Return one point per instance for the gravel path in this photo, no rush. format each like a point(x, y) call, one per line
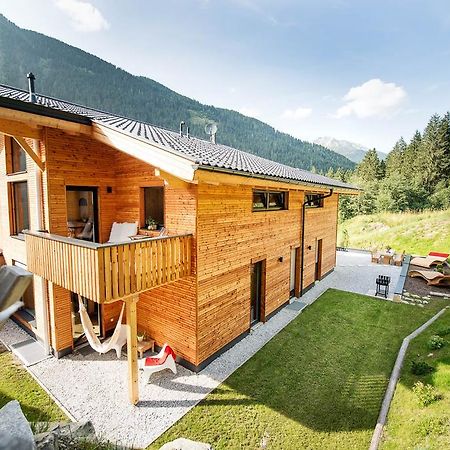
point(94, 387)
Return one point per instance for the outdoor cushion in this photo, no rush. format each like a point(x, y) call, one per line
point(121, 232)
point(152, 361)
point(444, 255)
point(427, 261)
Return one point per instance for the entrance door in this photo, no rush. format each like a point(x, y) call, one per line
point(295, 272)
point(257, 291)
point(82, 212)
point(318, 259)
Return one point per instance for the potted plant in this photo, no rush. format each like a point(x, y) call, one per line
point(141, 336)
point(151, 223)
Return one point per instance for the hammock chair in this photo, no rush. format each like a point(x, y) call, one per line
point(116, 341)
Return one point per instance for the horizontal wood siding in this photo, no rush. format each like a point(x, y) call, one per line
point(168, 315)
point(320, 223)
point(229, 236)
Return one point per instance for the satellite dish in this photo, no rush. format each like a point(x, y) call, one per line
point(211, 128)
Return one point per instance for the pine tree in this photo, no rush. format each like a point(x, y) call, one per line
point(394, 160)
point(368, 169)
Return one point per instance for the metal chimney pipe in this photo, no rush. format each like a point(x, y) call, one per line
point(187, 131)
point(181, 128)
point(213, 138)
point(31, 78)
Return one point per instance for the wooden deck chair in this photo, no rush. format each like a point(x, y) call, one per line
point(430, 276)
point(428, 261)
point(376, 257)
point(398, 259)
point(440, 281)
point(165, 359)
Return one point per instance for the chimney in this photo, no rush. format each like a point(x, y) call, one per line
point(31, 78)
point(213, 138)
point(187, 131)
point(181, 128)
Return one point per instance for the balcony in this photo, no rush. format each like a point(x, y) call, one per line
point(108, 272)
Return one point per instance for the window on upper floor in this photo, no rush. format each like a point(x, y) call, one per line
point(153, 206)
point(16, 161)
point(314, 201)
point(269, 200)
point(18, 207)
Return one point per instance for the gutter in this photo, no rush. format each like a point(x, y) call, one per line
point(35, 108)
point(274, 178)
point(303, 237)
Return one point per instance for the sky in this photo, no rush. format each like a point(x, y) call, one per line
point(365, 71)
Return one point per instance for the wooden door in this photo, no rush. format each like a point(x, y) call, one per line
point(257, 292)
point(318, 259)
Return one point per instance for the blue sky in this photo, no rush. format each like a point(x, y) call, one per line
point(365, 71)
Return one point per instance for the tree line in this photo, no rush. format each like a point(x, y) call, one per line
point(415, 176)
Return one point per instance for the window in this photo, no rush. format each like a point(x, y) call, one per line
point(314, 201)
point(16, 160)
point(19, 213)
point(269, 200)
point(153, 205)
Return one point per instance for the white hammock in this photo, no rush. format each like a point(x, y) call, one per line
point(116, 341)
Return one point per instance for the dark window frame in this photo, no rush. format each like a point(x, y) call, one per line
point(143, 214)
point(266, 204)
point(13, 210)
point(11, 155)
point(314, 201)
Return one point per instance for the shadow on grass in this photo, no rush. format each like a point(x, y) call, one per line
point(33, 414)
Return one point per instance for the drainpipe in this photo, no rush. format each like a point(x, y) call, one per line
point(303, 237)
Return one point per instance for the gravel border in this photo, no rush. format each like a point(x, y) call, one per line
point(94, 387)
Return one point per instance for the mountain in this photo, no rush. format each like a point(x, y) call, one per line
point(71, 74)
point(354, 152)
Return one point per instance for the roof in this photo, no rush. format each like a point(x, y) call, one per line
point(201, 152)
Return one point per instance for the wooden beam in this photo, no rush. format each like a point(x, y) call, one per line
point(133, 379)
point(34, 156)
point(13, 128)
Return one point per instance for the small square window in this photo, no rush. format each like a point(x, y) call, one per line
point(314, 201)
point(259, 200)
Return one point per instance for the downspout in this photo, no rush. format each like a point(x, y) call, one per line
point(302, 257)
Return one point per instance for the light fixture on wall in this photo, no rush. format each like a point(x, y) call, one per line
point(309, 247)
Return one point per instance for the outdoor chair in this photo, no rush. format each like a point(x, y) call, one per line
point(428, 261)
point(165, 359)
point(398, 259)
point(376, 257)
point(122, 232)
point(382, 285)
point(432, 277)
point(88, 231)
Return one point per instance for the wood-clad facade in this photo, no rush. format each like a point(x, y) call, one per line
point(195, 287)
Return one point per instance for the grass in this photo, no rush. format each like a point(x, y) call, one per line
point(318, 384)
point(416, 233)
point(17, 384)
point(410, 426)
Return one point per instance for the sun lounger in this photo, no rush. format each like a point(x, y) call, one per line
point(432, 277)
point(428, 261)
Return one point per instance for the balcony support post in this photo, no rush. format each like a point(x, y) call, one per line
point(133, 375)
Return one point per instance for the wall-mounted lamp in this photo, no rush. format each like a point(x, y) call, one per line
point(280, 259)
point(109, 189)
point(309, 247)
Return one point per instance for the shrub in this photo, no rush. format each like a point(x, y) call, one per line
point(435, 342)
point(443, 331)
point(421, 368)
point(433, 425)
point(426, 394)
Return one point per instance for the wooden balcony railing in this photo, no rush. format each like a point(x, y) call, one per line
point(108, 272)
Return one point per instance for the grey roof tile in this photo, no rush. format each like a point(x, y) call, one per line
point(202, 152)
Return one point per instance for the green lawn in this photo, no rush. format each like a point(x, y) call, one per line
point(410, 426)
point(17, 384)
point(325, 391)
point(416, 233)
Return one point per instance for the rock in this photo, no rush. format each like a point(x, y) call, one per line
point(15, 431)
point(59, 432)
point(185, 444)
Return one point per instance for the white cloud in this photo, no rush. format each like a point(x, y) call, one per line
point(84, 16)
point(296, 114)
point(372, 98)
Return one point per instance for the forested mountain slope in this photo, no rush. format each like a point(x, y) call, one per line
point(69, 73)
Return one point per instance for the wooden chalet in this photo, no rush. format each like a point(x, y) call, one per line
point(243, 234)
